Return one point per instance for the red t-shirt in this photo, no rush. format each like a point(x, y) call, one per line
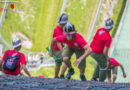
point(113, 62)
point(57, 32)
point(78, 41)
point(20, 61)
point(101, 39)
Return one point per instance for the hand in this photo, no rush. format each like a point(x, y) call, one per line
point(124, 75)
point(77, 62)
point(50, 53)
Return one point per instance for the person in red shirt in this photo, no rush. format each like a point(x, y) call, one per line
point(99, 50)
point(63, 19)
point(112, 66)
point(20, 63)
point(75, 43)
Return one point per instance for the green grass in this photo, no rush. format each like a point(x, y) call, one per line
point(39, 20)
point(117, 13)
point(49, 71)
point(82, 14)
point(81, 25)
point(1, 7)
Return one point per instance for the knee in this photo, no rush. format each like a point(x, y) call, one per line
point(114, 76)
point(65, 59)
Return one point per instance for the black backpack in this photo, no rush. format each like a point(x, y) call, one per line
point(11, 62)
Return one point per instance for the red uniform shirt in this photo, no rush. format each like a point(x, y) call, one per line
point(101, 39)
point(78, 41)
point(21, 60)
point(113, 62)
point(57, 32)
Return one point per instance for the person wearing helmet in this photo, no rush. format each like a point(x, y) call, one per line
point(75, 43)
point(63, 19)
point(99, 50)
point(13, 60)
point(113, 66)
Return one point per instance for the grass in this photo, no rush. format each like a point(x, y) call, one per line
point(37, 19)
point(78, 20)
point(117, 13)
point(49, 71)
point(1, 8)
point(81, 14)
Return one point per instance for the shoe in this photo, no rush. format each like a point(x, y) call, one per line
point(94, 79)
point(83, 78)
point(62, 77)
point(56, 77)
point(70, 72)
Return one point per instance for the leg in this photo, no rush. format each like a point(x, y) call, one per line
point(103, 68)
point(57, 69)
point(109, 75)
point(82, 64)
point(101, 61)
point(82, 67)
point(114, 72)
point(67, 62)
point(71, 70)
point(58, 62)
point(67, 53)
point(96, 73)
point(63, 69)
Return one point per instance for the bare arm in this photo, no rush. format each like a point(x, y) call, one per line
point(25, 69)
point(60, 46)
point(105, 52)
point(1, 64)
point(88, 51)
point(123, 71)
point(52, 46)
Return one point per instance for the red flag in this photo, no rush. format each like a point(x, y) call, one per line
point(12, 6)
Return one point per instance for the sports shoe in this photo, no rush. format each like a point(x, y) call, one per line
point(83, 78)
point(62, 77)
point(70, 72)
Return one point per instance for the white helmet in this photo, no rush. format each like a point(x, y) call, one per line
point(63, 19)
point(16, 42)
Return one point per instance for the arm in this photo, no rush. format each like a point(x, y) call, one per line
point(25, 69)
point(52, 46)
point(105, 52)
point(60, 46)
point(123, 71)
point(1, 64)
point(88, 51)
